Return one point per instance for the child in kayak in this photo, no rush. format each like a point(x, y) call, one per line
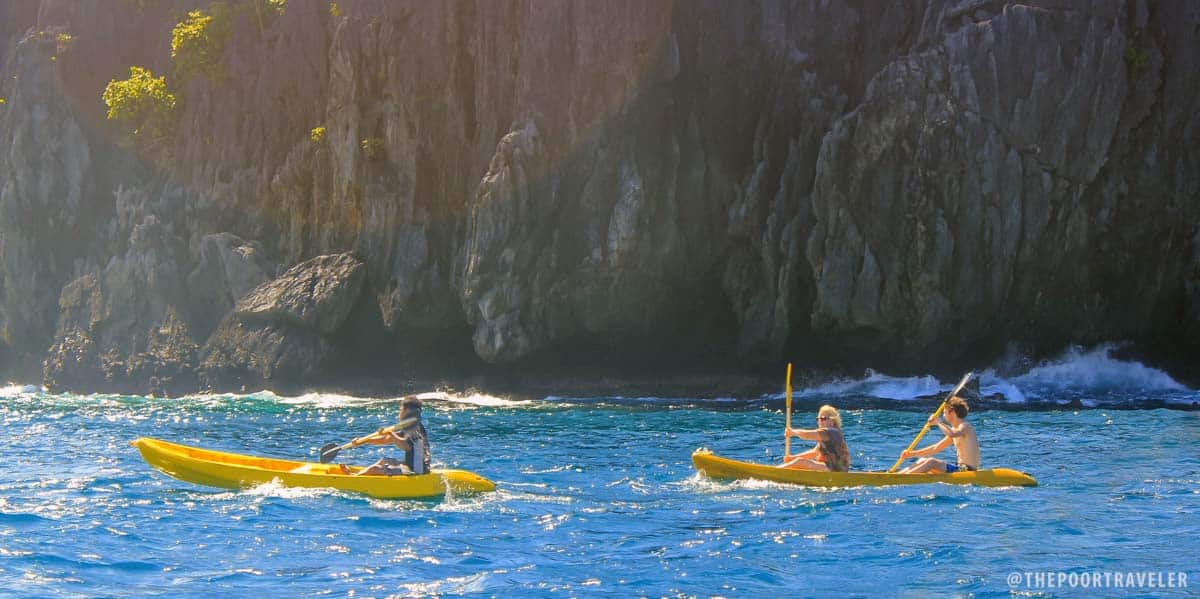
point(830, 453)
point(959, 432)
point(408, 435)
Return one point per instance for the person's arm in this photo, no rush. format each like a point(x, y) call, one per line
point(949, 431)
point(389, 437)
point(928, 449)
point(813, 434)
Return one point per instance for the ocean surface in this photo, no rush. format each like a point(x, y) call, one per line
point(597, 496)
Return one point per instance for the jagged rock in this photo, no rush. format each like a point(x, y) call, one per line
point(228, 269)
point(280, 335)
point(251, 356)
point(45, 175)
point(874, 184)
point(962, 188)
point(168, 365)
point(503, 216)
point(73, 363)
point(317, 294)
point(121, 328)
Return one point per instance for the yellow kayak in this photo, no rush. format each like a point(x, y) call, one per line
point(715, 466)
point(233, 471)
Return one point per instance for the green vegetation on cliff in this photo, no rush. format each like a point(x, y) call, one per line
point(198, 42)
point(373, 149)
point(142, 104)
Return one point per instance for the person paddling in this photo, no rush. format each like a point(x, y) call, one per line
point(408, 435)
point(830, 453)
point(959, 432)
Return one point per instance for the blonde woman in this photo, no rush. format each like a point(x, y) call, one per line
point(830, 453)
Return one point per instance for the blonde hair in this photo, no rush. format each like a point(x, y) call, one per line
point(831, 412)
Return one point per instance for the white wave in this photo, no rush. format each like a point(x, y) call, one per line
point(991, 385)
point(1076, 370)
point(1096, 369)
point(877, 385)
point(17, 390)
point(337, 400)
point(472, 399)
point(212, 399)
point(325, 400)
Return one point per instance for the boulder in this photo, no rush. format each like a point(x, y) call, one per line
point(316, 295)
point(228, 269)
point(281, 335)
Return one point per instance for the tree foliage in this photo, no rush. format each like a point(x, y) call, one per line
point(198, 42)
point(142, 104)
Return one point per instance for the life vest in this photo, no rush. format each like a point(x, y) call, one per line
point(417, 456)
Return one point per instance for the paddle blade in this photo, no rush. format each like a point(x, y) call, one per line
point(329, 451)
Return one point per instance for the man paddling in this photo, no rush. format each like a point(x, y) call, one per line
point(959, 432)
point(408, 435)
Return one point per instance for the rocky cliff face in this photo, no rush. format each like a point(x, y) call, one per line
point(902, 185)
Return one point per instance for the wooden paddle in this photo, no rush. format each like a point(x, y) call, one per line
point(787, 439)
point(330, 450)
point(936, 413)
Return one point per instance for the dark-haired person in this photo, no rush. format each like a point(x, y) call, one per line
point(959, 432)
point(409, 434)
point(830, 453)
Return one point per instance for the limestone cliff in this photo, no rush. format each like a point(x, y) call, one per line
point(908, 185)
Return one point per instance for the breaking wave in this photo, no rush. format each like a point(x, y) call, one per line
point(1088, 377)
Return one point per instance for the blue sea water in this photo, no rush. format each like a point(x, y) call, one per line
point(597, 496)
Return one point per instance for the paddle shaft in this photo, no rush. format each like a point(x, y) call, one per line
point(787, 439)
point(936, 413)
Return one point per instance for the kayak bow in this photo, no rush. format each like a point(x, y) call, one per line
point(234, 471)
point(714, 466)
